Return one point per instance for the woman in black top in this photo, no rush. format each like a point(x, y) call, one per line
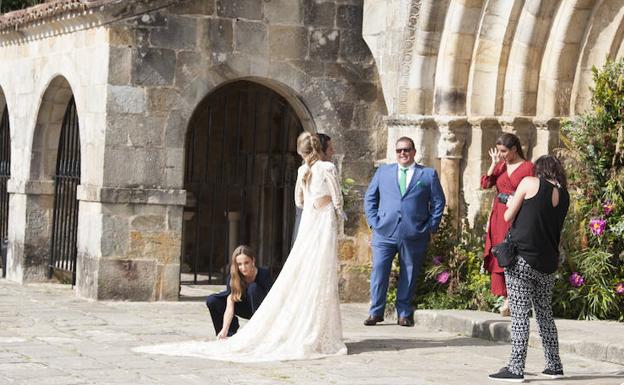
point(538, 210)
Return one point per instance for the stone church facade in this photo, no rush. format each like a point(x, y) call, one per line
point(147, 138)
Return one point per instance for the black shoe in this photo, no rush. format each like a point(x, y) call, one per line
point(373, 320)
point(505, 375)
point(553, 373)
point(405, 321)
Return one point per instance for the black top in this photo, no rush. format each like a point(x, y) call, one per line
point(537, 228)
point(263, 279)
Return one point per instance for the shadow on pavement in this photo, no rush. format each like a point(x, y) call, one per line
point(390, 344)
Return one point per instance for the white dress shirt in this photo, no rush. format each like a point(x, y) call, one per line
point(410, 174)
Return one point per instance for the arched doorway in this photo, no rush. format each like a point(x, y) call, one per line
point(5, 174)
point(65, 215)
point(241, 168)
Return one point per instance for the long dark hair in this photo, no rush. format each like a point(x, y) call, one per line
point(237, 281)
point(324, 139)
point(550, 167)
point(510, 140)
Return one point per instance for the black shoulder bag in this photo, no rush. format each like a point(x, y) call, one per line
point(506, 252)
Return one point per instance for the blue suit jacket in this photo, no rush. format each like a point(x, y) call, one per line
point(418, 211)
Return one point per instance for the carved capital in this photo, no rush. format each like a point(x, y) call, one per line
point(453, 133)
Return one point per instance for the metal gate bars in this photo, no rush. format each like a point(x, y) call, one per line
point(65, 218)
point(241, 168)
point(5, 174)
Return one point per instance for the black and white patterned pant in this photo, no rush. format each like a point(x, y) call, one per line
point(525, 287)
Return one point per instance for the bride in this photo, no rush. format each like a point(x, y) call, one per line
point(300, 316)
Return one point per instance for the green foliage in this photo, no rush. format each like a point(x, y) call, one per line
point(594, 160)
point(458, 252)
point(12, 5)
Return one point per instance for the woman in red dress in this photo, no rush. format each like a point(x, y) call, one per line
point(508, 168)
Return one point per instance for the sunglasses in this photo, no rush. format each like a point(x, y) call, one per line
point(400, 150)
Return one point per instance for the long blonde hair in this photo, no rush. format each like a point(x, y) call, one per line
point(309, 147)
point(238, 285)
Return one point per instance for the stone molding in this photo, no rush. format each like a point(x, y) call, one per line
point(169, 197)
point(67, 16)
point(30, 187)
point(507, 122)
point(407, 49)
point(453, 130)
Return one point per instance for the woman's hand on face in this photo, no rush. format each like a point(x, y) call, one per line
point(494, 154)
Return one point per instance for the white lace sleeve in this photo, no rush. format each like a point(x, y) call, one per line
point(299, 189)
point(331, 176)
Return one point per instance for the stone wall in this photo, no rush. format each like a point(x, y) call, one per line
point(138, 71)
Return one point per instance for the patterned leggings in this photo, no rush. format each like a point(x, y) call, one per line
point(527, 286)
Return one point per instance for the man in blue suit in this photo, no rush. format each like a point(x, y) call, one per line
point(404, 205)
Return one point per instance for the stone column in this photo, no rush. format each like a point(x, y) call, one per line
point(129, 243)
point(31, 205)
point(547, 136)
point(453, 132)
point(483, 132)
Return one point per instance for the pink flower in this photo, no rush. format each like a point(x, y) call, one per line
point(443, 277)
point(608, 207)
point(619, 288)
point(597, 226)
point(576, 280)
point(437, 260)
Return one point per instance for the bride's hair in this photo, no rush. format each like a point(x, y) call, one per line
point(309, 147)
point(237, 282)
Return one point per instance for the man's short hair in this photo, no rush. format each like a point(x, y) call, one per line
point(324, 139)
point(406, 139)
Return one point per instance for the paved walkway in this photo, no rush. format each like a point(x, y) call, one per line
point(48, 336)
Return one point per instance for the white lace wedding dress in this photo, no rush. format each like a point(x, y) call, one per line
point(300, 317)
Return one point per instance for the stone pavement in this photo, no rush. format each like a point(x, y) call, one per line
point(48, 336)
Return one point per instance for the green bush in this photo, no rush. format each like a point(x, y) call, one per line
point(594, 233)
point(452, 276)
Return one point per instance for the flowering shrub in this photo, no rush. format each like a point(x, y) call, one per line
point(593, 238)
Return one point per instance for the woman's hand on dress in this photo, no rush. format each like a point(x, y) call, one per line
point(222, 335)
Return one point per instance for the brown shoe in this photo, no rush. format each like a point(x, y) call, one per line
point(406, 321)
point(373, 320)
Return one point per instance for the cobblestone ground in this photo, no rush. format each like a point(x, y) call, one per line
point(47, 336)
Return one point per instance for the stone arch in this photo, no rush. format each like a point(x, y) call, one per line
point(598, 44)
point(561, 57)
point(456, 50)
point(241, 160)
point(51, 203)
point(489, 61)
point(424, 58)
point(525, 57)
point(47, 130)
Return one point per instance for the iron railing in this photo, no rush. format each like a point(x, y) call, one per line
point(65, 218)
point(5, 174)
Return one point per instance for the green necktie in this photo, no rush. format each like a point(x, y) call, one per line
point(403, 180)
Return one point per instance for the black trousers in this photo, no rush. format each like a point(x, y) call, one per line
point(250, 302)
